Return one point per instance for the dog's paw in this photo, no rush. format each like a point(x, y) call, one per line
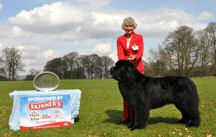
point(133, 128)
point(130, 125)
point(138, 127)
point(191, 124)
point(183, 121)
point(122, 123)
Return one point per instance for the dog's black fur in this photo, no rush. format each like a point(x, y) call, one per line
point(143, 93)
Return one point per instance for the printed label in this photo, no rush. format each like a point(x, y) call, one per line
point(37, 112)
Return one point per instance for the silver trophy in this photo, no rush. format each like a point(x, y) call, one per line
point(46, 81)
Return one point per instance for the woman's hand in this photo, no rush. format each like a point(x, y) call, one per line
point(132, 58)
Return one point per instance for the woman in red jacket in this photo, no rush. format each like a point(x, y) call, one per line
point(130, 47)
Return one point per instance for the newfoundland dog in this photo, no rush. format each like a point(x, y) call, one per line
point(143, 93)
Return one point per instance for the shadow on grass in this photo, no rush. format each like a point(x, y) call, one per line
point(115, 116)
point(170, 120)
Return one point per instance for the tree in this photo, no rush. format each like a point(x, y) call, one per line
point(73, 66)
point(93, 65)
point(107, 63)
point(70, 63)
point(32, 74)
point(84, 63)
point(205, 56)
point(211, 33)
point(56, 66)
point(12, 61)
point(182, 50)
point(2, 70)
point(159, 62)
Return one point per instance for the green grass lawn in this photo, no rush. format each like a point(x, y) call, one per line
point(101, 109)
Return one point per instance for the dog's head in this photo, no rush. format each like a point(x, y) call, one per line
point(124, 70)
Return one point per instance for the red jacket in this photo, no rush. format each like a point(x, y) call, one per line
point(124, 53)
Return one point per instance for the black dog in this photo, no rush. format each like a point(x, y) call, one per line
point(143, 93)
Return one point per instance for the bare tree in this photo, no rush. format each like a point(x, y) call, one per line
point(71, 62)
point(2, 70)
point(73, 66)
point(85, 64)
point(107, 63)
point(98, 67)
point(185, 52)
point(211, 33)
point(181, 47)
point(32, 74)
point(12, 61)
point(202, 68)
point(56, 65)
point(160, 62)
point(93, 69)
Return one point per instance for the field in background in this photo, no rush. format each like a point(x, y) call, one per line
point(101, 109)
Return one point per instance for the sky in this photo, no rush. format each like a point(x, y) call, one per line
point(46, 29)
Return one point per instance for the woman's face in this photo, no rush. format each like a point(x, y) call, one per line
point(128, 29)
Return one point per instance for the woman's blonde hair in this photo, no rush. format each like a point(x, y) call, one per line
point(129, 21)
